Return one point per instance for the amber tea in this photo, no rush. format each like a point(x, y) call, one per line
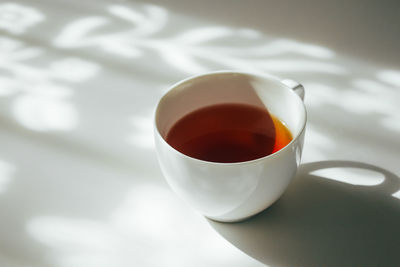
point(229, 133)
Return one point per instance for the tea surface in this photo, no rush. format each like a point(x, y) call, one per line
point(228, 133)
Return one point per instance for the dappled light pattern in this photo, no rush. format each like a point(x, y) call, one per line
point(41, 95)
point(146, 229)
point(194, 50)
point(17, 18)
point(374, 97)
point(363, 97)
point(149, 20)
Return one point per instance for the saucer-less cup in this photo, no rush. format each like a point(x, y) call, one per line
point(230, 192)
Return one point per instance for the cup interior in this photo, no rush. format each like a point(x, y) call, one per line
point(230, 87)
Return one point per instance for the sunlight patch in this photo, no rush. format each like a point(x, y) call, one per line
point(317, 145)
point(13, 51)
point(203, 35)
point(318, 94)
point(44, 113)
point(7, 86)
point(17, 18)
point(150, 226)
point(77, 233)
point(392, 122)
point(149, 210)
point(354, 176)
point(142, 133)
point(76, 242)
point(302, 66)
point(396, 194)
point(376, 97)
point(74, 69)
point(391, 77)
point(281, 46)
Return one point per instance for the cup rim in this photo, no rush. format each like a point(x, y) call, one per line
point(211, 73)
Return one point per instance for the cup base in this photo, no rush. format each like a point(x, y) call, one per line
point(230, 221)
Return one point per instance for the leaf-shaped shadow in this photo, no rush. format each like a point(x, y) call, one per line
point(204, 34)
point(76, 33)
point(152, 21)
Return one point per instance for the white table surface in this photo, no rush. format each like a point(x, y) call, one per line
point(80, 184)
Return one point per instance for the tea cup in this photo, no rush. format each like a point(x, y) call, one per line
point(231, 192)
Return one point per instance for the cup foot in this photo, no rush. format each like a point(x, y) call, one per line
point(229, 221)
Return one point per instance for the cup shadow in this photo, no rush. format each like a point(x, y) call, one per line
point(322, 222)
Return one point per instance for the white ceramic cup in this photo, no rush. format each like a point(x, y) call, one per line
point(230, 192)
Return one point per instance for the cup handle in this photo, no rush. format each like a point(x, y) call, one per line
point(296, 87)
